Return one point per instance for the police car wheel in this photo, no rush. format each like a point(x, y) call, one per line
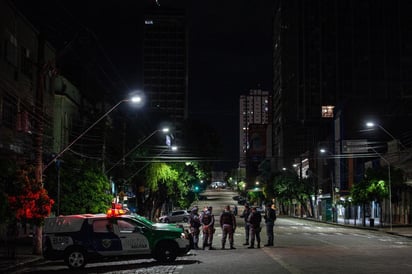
point(185, 220)
point(166, 252)
point(75, 258)
point(166, 220)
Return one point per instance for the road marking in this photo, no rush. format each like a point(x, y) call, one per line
point(277, 259)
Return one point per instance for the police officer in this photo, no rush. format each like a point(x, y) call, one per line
point(194, 221)
point(270, 218)
point(245, 215)
point(228, 224)
point(208, 229)
point(254, 221)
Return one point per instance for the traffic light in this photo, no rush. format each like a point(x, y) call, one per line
point(197, 188)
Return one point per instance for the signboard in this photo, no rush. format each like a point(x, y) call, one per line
point(355, 146)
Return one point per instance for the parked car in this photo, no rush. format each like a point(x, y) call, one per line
point(242, 201)
point(260, 209)
point(175, 217)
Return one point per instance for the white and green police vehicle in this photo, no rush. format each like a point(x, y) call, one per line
point(79, 239)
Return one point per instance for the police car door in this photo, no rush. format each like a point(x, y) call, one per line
point(105, 240)
point(132, 238)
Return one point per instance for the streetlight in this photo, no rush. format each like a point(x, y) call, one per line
point(333, 189)
point(164, 130)
point(323, 151)
point(372, 125)
point(135, 99)
point(389, 186)
point(172, 148)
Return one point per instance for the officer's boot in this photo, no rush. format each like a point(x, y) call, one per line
point(258, 245)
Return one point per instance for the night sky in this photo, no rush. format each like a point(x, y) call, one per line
point(229, 50)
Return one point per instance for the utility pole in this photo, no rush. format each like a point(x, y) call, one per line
point(38, 138)
point(43, 69)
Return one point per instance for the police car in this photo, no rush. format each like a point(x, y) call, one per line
point(79, 239)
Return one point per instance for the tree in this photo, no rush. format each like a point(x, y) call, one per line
point(375, 187)
point(88, 194)
point(285, 186)
point(160, 180)
point(86, 188)
point(266, 178)
point(30, 202)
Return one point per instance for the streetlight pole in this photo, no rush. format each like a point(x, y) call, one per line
point(389, 176)
point(173, 148)
point(136, 99)
point(164, 130)
point(372, 125)
point(389, 186)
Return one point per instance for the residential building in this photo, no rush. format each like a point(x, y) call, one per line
point(26, 88)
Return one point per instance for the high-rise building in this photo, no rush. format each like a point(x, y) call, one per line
point(254, 110)
point(165, 73)
point(346, 59)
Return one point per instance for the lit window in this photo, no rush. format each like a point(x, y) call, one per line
point(148, 22)
point(327, 111)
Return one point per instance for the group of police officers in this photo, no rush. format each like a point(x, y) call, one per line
point(205, 221)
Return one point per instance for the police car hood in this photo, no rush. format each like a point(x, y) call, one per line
point(168, 227)
point(160, 226)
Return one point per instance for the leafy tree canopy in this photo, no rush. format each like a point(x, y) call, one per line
point(29, 200)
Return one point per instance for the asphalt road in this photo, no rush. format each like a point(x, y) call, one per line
point(301, 246)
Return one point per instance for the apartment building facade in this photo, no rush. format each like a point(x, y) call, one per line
point(254, 133)
point(26, 87)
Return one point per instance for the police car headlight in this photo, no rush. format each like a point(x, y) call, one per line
point(183, 236)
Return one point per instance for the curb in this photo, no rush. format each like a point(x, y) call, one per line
point(381, 229)
point(8, 264)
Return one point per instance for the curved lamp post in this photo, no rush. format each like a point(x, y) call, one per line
point(136, 99)
point(389, 185)
point(373, 125)
point(164, 130)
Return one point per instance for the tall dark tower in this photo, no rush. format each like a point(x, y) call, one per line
point(353, 55)
point(165, 72)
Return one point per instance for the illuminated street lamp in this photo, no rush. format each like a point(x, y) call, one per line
point(135, 99)
point(373, 125)
point(164, 130)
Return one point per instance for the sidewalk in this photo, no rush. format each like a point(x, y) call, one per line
point(401, 230)
point(24, 256)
